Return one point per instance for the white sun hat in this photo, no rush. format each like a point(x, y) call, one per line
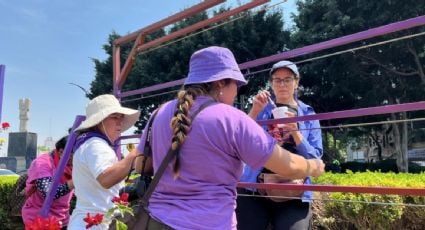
point(102, 106)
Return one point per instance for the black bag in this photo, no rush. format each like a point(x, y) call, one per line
point(137, 189)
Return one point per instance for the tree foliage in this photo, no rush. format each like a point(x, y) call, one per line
point(248, 35)
point(386, 74)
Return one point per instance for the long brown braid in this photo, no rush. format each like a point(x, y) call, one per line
point(181, 122)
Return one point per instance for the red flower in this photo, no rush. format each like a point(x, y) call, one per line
point(50, 223)
point(93, 220)
point(5, 125)
point(123, 199)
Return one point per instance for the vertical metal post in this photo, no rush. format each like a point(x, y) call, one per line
point(61, 167)
point(2, 69)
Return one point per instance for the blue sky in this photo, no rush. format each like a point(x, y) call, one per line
point(46, 45)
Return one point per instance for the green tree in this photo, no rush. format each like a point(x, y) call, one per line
point(249, 36)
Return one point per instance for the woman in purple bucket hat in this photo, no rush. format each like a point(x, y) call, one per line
point(198, 189)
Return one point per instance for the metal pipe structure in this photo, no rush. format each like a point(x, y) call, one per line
point(374, 32)
point(121, 76)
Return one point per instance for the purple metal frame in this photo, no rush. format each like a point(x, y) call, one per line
point(120, 76)
point(2, 70)
point(374, 32)
point(371, 33)
point(414, 106)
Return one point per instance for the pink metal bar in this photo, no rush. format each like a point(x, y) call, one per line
point(116, 65)
point(338, 188)
point(130, 60)
point(201, 24)
point(167, 21)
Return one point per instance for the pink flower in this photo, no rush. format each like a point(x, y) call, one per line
point(93, 220)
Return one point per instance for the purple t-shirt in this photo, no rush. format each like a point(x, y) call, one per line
point(204, 195)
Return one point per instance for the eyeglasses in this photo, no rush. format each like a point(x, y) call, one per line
point(285, 81)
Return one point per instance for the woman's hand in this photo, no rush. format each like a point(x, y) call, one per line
point(258, 103)
point(292, 128)
point(316, 167)
point(276, 133)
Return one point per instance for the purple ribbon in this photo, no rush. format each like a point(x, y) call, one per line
point(59, 171)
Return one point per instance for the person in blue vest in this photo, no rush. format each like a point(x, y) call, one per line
point(303, 138)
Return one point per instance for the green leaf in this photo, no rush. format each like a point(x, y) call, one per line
point(120, 225)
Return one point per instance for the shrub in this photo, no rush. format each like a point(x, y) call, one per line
point(388, 165)
point(369, 211)
point(6, 184)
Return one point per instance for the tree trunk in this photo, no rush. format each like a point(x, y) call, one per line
point(400, 141)
point(375, 137)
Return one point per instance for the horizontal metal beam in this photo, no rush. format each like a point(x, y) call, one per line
point(152, 88)
point(414, 106)
point(378, 31)
point(338, 188)
point(375, 32)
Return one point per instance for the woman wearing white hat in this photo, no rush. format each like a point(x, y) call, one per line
point(98, 173)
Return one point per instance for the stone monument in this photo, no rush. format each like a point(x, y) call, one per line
point(24, 108)
point(23, 144)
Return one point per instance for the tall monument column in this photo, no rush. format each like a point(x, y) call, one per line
point(24, 108)
point(23, 144)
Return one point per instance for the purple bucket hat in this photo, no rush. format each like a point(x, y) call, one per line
point(212, 64)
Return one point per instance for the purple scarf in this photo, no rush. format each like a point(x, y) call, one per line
point(85, 136)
